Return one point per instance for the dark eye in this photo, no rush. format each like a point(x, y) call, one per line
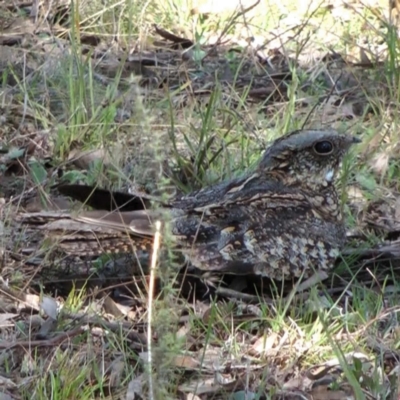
point(324, 147)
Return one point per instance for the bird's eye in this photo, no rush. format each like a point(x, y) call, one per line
point(324, 147)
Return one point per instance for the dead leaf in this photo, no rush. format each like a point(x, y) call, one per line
point(364, 57)
point(50, 307)
point(116, 372)
point(200, 386)
point(135, 389)
point(7, 383)
point(265, 344)
point(185, 361)
point(191, 396)
point(35, 321)
point(380, 163)
point(83, 159)
point(32, 300)
point(47, 327)
point(113, 308)
point(5, 318)
point(323, 393)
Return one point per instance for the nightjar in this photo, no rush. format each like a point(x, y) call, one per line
point(282, 219)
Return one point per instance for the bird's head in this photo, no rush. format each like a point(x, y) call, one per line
point(307, 157)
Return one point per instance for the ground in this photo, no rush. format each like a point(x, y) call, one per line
point(166, 97)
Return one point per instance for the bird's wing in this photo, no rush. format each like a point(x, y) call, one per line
point(251, 191)
point(204, 219)
point(139, 222)
point(211, 195)
point(103, 199)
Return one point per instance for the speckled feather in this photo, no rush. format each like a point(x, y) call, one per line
point(281, 220)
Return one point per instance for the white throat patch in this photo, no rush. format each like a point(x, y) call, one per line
point(329, 175)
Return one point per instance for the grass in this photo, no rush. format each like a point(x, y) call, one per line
point(192, 130)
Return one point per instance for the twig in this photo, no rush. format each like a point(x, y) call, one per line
point(183, 42)
point(153, 266)
point(54, 341)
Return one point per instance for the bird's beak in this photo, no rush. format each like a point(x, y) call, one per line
point(355, 139)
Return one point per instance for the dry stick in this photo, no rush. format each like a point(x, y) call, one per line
point(54, 341)
point(153, 266)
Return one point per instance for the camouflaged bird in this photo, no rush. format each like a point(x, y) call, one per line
point(281, 220)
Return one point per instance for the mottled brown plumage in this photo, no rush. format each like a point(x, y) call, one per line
point(280, 220)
